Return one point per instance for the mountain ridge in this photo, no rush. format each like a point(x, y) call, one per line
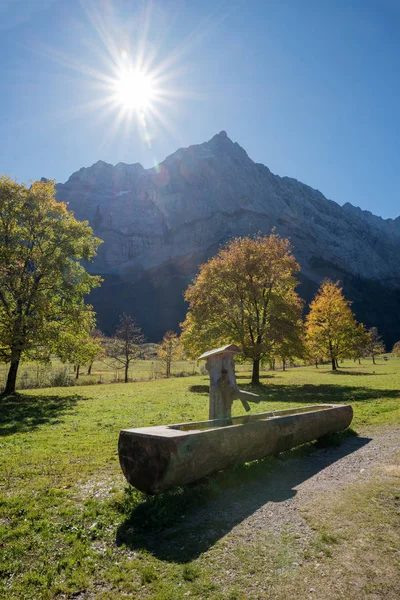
point(201, 196)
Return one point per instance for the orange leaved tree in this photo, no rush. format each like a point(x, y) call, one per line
point(244, 295)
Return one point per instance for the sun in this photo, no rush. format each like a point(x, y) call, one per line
point(134, 90)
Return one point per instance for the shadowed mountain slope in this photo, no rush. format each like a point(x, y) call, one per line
point(159, 224)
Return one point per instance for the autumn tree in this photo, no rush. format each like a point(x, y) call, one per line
point(312, 350)
point(125, 345)
point(42, 282)
point(361, 342)
point(376, 345)
point(330, 324)
point(396, 349)
point(292, 345)
point(244, 295)
point(170, 349)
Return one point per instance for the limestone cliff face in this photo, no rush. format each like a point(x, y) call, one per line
point(160, 223)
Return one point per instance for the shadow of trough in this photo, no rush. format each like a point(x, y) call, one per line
point(321, 393)
point(204, 513)
point(21, 413)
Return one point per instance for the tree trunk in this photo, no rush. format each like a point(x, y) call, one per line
point(316, 363)
point(77, 371)
point(283, 364)
point(12, 375)
point(255, 378)
point(89, 371)
point(337, 363)
point(359, 360)
point(333, 358)
point(126, 372)
point(168, 368)
point(373, 359)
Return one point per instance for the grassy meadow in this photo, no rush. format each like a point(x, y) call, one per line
point(71, 527)
point(34, 374)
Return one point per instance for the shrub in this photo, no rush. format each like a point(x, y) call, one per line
point(61, 378)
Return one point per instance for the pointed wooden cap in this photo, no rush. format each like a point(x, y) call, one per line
point(231, 348)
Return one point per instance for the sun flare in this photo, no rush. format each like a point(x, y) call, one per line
point(134, 90)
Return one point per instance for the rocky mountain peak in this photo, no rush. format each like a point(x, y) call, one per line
point(161, 223)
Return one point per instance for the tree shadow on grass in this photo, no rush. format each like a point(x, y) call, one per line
point(323, 393)
point(180, 525)
point(199, 389)
point(205, 389)
point(329, 393)
point(356, 373)
point(263, 376)
point(21, 413)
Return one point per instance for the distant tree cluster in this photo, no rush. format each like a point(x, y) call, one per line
point(246, 295)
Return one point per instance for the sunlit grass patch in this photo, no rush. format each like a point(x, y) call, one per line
point(70, 525)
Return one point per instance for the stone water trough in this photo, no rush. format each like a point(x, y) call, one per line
point(155, 459)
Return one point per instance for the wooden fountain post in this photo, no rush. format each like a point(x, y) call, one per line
point(223, 387)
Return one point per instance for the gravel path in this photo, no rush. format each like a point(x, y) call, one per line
point(271, 503)
point(329, 469)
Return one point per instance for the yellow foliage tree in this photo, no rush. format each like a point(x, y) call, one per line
point(170, 349)
point(331, 327)
point(244, 295)
point(396, 349)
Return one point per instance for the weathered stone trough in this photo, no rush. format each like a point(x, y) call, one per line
point(155, 459)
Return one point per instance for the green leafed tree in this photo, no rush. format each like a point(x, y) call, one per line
point(97, 343)
point(244, 295)
point(42, 282)
point(79, 346)
point(331, 327)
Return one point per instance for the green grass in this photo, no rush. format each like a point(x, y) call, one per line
point(69, 524)
point(34, 375)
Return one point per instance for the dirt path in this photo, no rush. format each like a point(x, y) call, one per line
point(271, 503)
point(323, 472)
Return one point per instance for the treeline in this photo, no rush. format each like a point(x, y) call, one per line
point(43, 287)
point(246, 295)
point(119, 351)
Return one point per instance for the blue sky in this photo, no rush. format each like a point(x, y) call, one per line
point(310, 88)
